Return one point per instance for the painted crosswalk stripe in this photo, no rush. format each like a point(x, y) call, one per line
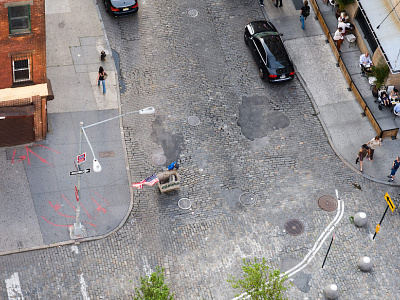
point(83, 288)
point(14, 287)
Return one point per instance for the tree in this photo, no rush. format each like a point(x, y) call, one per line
point(153, 287)
point(260, 281)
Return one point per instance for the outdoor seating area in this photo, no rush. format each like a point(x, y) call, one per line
point(377, 104)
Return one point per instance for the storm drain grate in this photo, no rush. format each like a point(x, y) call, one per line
point(193, 13)
point(184, 203)
point(248, 199)
point(294, 227)
point(158, 159)
point(194, 121)
point(327, 203)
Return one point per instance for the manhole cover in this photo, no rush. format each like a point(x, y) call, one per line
point(192, 12)
point(158, 159)
point(294, 227)
point(184, 203)
point(194, 121)
point(248, 199)
point(327, 203)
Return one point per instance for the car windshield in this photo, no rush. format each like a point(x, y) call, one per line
point(277, 56)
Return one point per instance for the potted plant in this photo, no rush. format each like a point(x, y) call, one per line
point(380, 72)
point(341, 6)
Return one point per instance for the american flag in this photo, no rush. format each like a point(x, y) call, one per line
point(151, 180)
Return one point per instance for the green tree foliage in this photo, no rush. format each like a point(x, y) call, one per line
point(153, 287)
point(259, 281)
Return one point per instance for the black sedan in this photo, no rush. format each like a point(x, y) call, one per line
point(121, 7)
point(269, 53)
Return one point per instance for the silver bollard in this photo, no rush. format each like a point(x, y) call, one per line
point(360, 219)
point(365, 264)
point(331, 291)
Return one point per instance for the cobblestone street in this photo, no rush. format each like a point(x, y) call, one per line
point(253, 137)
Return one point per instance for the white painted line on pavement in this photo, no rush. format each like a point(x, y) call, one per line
point(14, 287)
point(83, 288)
point(75, 249)
point(316, 247)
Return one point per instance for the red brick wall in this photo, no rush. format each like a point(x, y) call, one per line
point(34, 43)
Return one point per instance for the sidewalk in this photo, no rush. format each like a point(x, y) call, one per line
point(39, 190)
point(336, 107)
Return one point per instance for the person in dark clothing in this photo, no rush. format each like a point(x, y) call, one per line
point(280, 3)
point(395, 166)
point(362, 154)
point(262, 2)
point(304, 13)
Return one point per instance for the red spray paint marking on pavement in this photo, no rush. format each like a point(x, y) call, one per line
point(68, 202)
point(99, 207)
point(61, 214)
point(90, 217)
point(60, 225)
point(101, 197)
point(56, 224)
point(23, 157)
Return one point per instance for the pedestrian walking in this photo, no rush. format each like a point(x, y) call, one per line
point(361, 155)
point(101, 77)
point(372, 144)
point(304, 13)
point(395, 166)
point(262, 2)
point(338, 37)
point(280, 3)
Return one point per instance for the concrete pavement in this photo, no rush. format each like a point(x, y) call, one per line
point(39, 193)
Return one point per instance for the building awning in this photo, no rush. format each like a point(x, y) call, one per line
point(388, 33)
point(24, 92)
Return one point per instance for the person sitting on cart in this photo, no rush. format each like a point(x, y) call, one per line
point(173, 166)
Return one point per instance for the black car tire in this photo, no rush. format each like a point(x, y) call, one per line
point(246, 39)
point(106, 6)
point(261, 73)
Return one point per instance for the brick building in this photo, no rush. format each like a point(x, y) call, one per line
point(24, 88)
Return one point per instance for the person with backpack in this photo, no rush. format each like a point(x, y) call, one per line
point(304, 13)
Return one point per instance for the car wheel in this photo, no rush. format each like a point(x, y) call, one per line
point(261, 73)
point(246, 39)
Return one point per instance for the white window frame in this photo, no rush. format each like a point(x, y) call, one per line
point(21, 69)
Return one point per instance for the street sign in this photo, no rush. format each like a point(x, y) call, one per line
point(79, 172)
point(389, 202)
point(76, 194)
point(81, 158)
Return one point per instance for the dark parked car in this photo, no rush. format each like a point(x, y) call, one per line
point(269, 53)
point(121, 7)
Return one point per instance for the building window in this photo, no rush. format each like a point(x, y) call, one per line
point(19, 19)
point(21, 68)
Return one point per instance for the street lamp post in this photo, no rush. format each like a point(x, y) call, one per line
point(78, 231)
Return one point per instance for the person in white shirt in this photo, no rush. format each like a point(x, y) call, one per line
point(365, 63)
point(344, 26)
point(396, 108)
point(338, 37)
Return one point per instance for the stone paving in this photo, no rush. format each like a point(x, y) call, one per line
point(253, 137)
